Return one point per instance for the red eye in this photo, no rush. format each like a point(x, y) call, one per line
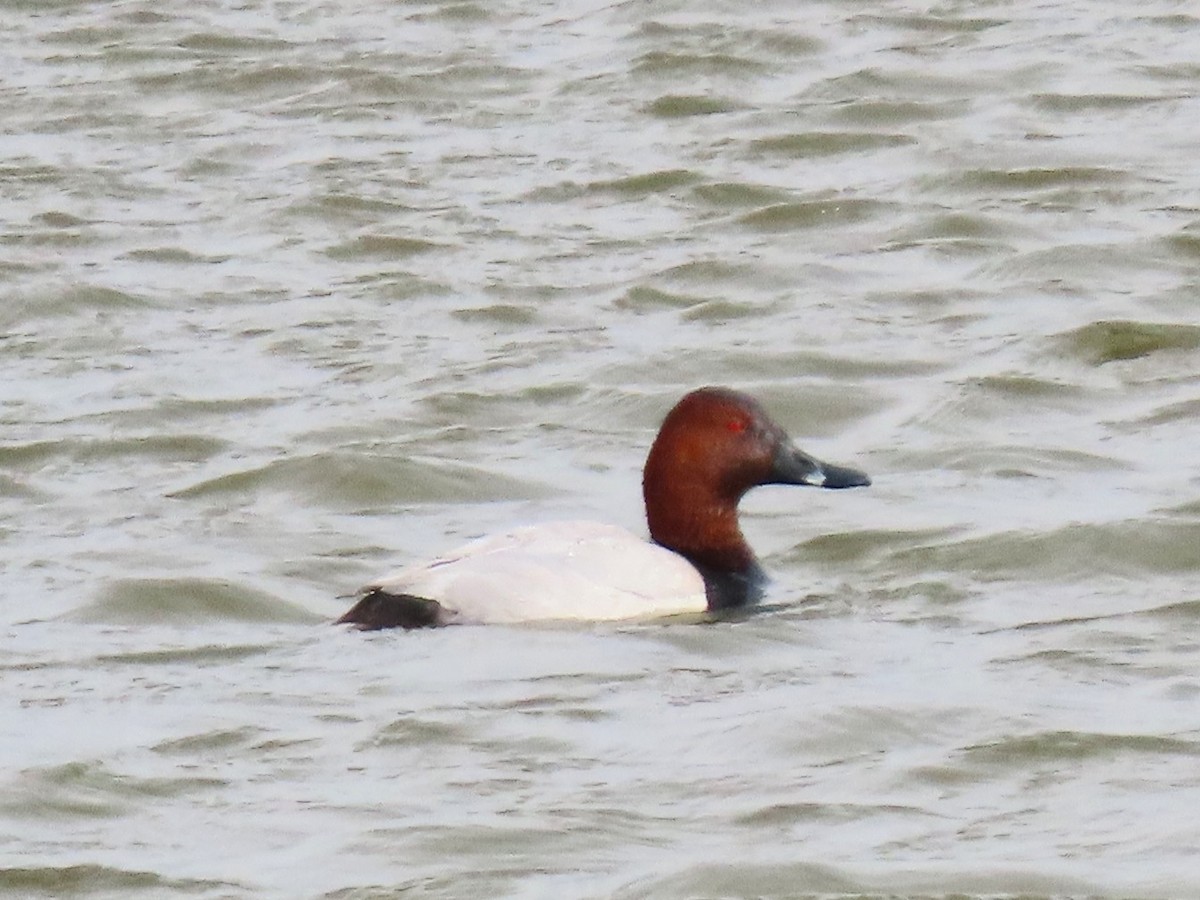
point(737, 426)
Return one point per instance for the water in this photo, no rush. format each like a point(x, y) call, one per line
point(295, 292)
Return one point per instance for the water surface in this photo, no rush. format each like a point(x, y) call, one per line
point(293, 293)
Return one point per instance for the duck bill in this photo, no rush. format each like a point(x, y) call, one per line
point(793, 466)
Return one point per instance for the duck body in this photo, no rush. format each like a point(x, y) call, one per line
point(713, 446)
point(559, 570)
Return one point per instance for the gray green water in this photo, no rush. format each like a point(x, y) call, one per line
point(292, 293)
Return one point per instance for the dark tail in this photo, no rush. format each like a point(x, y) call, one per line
point(378, 609)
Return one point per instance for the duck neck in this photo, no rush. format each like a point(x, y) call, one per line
point(726, 589)
point(707, 535)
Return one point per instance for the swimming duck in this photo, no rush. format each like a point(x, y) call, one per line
point(714, 446)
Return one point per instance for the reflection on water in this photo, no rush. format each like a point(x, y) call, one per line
point(295, 293)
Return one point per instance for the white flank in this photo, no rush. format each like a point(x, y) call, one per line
point(559, 570)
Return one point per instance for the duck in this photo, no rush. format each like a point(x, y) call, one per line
point(713, 446)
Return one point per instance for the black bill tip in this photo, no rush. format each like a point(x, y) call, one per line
point(840, 477)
